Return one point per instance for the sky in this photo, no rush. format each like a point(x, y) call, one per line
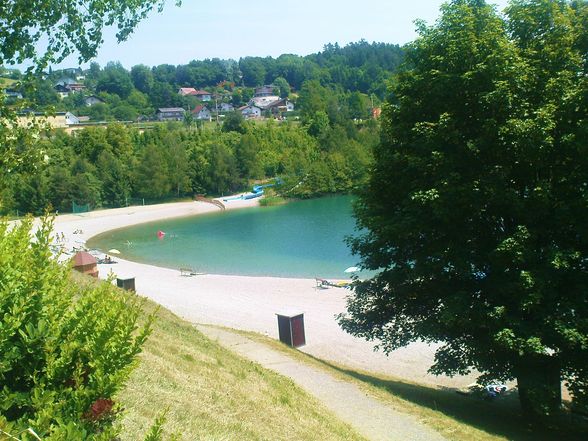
point(200, 29)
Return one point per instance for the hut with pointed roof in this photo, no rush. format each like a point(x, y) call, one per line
point(85, 263)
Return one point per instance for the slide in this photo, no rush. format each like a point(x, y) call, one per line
point(256, 192)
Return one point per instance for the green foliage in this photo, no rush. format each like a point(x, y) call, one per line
point(64, 350)
point(233, 122)
point(64, 28)
point(475, 209)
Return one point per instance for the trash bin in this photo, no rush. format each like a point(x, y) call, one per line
point(291, 328)
point(126, 284)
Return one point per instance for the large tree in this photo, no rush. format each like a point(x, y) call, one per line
point(40, 32)
point(475, 215)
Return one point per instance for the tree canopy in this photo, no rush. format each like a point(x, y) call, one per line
point(64, 27)
point(475, 214)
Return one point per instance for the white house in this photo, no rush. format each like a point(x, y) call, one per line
point(263, 102)
point(225, 107)
point(283, 105)
point(250, 112)
point(201, 113)
point(70, 118)
point(91, 100)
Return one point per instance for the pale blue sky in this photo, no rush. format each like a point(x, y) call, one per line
point(236, 28)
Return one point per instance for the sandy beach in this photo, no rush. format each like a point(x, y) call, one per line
point(248, 303)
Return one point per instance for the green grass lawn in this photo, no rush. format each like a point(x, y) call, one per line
point(213, 394)
point(456, 416)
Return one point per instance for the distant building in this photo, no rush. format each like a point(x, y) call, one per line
point(263, 102)
point(64, 89)
point(64, 81)
point(184, 91)
point(75, 87)
point(282, 105)
point(201, 113)
point(250, 112)
point(225, 107)
point(61, 90)
point(264, 91)
point(59, 120)
point(92, 99)
point(170, 114)
point(203, 95)
point(9, 93)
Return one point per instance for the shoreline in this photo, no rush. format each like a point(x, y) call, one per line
point(249, 303)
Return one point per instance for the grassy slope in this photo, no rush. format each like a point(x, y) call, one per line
point(212, 394)
point(457, 417)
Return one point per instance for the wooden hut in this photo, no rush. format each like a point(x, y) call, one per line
point(85, 263)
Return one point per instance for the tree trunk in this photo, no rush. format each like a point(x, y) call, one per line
point(539, 384)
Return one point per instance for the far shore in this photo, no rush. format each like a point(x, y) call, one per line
point(248, 303)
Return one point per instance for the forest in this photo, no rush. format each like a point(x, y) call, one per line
point(325, 149)
point(119, 166)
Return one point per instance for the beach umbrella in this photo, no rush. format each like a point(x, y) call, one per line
point(114, 251)
point(352, 269)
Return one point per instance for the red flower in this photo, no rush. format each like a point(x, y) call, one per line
point(100, 408)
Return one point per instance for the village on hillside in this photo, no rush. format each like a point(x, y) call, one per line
point(199, 105)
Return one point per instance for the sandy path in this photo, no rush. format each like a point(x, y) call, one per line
point(249, 303)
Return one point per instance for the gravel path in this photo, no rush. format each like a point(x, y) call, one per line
point(368, 416)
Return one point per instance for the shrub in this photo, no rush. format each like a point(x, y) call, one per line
point(64, 349)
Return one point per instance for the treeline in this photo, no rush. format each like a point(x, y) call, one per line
point(117, 166)
point(361, 68)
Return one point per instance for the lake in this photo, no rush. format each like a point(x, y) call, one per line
point(299, 239)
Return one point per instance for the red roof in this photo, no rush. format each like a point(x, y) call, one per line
point(82, 258)
point(201, 92)
point(197, 109)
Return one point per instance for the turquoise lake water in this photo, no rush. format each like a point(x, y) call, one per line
point(299, 239)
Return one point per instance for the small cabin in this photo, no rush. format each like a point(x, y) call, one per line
point(85, 263)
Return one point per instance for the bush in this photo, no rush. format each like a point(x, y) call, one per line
point(64, 350)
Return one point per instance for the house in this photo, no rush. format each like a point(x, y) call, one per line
point(264, 91)
point(203, 95)
point(59, 120)
point(225, 107)
point(282, 105)
point(184, 91)
point(75, 87)
point(92, 99)
point(65, 80)
point(70, 118)
point(15, 95)
point(170, 114)
point(62, 90)
point(250, 112)
point(264, 102)
point(201, 113)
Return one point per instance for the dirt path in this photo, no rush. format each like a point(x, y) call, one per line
point(368, 416)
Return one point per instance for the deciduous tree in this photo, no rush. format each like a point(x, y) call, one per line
point(475, 214)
